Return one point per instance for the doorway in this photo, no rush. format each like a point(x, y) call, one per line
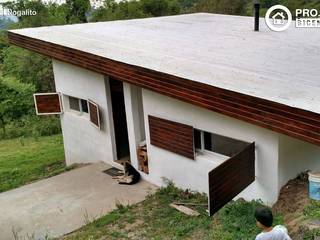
point(119, 119)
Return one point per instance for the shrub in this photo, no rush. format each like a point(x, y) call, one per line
point(32, 126)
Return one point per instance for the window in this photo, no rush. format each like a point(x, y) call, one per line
point(79, 105)
point(206, 141)
point(84, 105)
point(74, 104)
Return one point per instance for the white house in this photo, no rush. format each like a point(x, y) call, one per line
point(222, 109)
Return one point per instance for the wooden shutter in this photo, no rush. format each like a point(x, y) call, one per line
point(94, 113)
point(172, 136)
point(231, 177)
point(47, 103)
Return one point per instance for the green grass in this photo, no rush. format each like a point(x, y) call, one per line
point(312, 212)
point(154, 219)
point(23, 160)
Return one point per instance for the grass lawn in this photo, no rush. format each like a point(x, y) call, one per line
point(24, 160)
point(155, 219)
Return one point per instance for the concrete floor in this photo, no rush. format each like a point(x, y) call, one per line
point(60, 204)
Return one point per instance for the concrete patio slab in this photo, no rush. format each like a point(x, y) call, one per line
point(63, 203)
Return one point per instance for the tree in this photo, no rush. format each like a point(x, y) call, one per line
point(15, 100)
point(77, 11)
point(231, 7)
point(111, 10)
point(24, 65)
point(135, 9)
point(160, 7)
point(29, 67)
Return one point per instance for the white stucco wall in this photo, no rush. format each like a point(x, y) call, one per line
point(191, 174)
point(83, 142)
point(296, 156)
point(135, 121)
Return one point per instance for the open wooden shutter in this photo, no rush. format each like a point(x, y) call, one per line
point(48, 103)
point(94, 113)
point(231, 177)
point(172, 136)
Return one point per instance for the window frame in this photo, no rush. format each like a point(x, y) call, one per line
point(202, 151)
point(80, 111)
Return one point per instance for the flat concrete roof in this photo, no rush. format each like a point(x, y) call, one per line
point(219, 50)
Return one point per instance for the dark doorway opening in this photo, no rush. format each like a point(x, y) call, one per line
point(119, 119)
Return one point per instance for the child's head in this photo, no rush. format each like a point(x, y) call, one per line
point(264, 217)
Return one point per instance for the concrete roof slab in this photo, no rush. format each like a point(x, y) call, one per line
point(219, 50)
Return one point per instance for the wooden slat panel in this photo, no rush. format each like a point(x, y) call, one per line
point(291, 121)
point(47, 103)
point(94, 113)
point(172, 136)
point(231, 177)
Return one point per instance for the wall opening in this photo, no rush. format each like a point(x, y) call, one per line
point(119, 119)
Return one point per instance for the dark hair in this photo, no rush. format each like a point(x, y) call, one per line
point(264, 216)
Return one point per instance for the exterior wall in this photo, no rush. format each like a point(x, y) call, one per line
point(193, 174)
point(83, 142)
point(296, 156)
point(135, 121)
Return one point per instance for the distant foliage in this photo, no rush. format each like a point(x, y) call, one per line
point(117, 11)
point(158, 8)
point(245, 7)
point(32, 126)
point(15, 100)
point(24, 65)
point(135, 9)
point(28, 67)
point(233, 7)
point(77, 11)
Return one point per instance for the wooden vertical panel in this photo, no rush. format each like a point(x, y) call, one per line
point(94, 113)
point(231, 177)
point(47, 103)
point(172, 136)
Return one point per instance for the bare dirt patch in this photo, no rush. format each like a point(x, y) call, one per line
point(291, 203)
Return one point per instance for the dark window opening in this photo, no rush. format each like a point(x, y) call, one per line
point(206, 141)
point(84, 105)
point(197, 139)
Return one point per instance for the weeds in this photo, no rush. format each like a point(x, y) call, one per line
point(155, 219)
point(312, 210)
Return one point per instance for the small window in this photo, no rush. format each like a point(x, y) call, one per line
point(206, 141)
point(79, 105)
point(74, 104)
point(84, 105)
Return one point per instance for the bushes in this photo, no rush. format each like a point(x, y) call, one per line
point(17, 115)
point(32, 126)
